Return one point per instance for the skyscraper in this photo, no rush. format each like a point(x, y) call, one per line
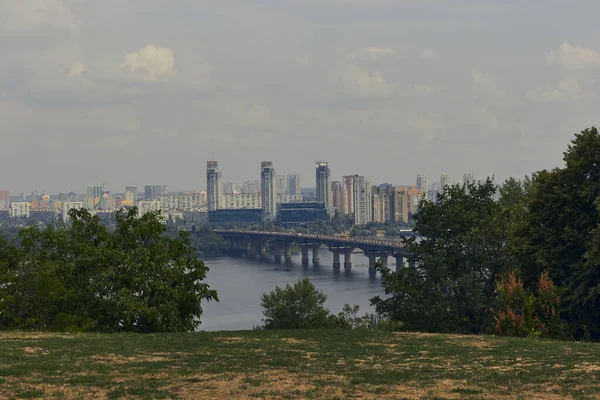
point(337, 196)
point(131, 193)
point(214, 185)
point(280, 184)
point(267, 187)
point(4, 199)
point(445, 181)
point(348, 186)
point(293, 183)
point(469, 178)
point(422, 183)
point(323, 188)
point(362, 201)
point(154, 192)
point(94, 192)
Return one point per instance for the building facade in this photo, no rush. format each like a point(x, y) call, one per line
point(323, 188)
point(145, 206)
point(241, 200)
point(337, 197)
point(68, 206)
point(348, 188)
point(268, 193)
point(19, 209)
point(362, 201)
point(214, 185)
point(445, 181)
point(469, 178)
point(422, 183)
point(293, 184)
point(154, 192)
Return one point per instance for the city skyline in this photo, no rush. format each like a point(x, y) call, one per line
point(93, 92)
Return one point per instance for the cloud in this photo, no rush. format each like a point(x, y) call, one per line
point(150, 63)
point(566, 90)
point(418, 90)
point(359, 83)
point(426, 124)
point(371, 54)
point(428, 54)
point(486, 84)
point(25, 15)
point(482, 119)
point(574, 57)
point(251, 116)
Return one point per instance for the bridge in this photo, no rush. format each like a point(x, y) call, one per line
point(255, 243)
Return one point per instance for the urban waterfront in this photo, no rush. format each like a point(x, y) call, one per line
point(241, 281)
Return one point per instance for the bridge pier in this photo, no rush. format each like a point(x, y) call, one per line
point(288, 252)
point(399, 262)
point(277, 252)
point(372, 261)
point(384, 261)
point(315, 253)
point(336, 258)
point(263, 249)
point(348, 258)
point(304, 254)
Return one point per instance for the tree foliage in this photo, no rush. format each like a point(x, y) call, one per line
point(560, 233)
point(82, 277)
point(460, 252)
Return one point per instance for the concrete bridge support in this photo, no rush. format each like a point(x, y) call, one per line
point(336, 258)
point(348, 258)
point(262, 246)
point(399, 262)
point(315, 253)
point(304, 254)
point(372, 261)
point(384, 261)
point(277, 252)
point(288, 252)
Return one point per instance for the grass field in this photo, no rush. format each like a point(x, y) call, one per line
point(295, 364)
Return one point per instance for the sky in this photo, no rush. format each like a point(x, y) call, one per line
point(139, 92)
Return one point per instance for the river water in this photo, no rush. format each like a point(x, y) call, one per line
point(240, 283)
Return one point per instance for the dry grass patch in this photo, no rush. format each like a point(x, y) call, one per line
point(120, 360)
point(35, 350)
point(12, 387)
point(587, 367)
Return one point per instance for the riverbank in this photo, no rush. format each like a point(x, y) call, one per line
point(295, 364)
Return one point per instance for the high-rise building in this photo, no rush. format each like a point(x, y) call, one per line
point(4, 200)
point(382, 204)
point(445, 181)
point(131, 193)
point(293, 184)
point(469, 178)
point(251, 187)
point(267, 190)
point(337, 196)
point(362, 201)
point(322, 178)
point(214, 185)
point(422, 184)
point(154, 192)
point(280, 184)
point(348, 186)
point(400, 204)
point(19, 209)
point(68, 206)
point(95, 192)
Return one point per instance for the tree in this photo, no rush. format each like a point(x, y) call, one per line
point(561, 233)
point(295, 307)
point(460, 252)
point(83, 277)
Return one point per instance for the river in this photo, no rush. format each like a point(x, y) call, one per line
point(240, 283)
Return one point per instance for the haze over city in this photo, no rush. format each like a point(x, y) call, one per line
point(145, 92)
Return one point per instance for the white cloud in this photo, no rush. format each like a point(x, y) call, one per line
point(574, 57)
point(357, 82)
point(251, 116)
point(23, 15)
point(150, 63)
point(428, 54)
point(566, 90)
point(487, 84)
point(418, 90)
point(371, 54)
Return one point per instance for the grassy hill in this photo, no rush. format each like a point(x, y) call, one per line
point(295, 364)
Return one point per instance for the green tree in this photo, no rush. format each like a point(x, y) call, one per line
point(561, 233)
point(83, 277)
point(459, 253)
point(295, 307)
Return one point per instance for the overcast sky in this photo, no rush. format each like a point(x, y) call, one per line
point(136, 92)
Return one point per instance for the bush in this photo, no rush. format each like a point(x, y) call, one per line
point(84, 278)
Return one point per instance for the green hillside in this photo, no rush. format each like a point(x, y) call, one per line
point(295, 364)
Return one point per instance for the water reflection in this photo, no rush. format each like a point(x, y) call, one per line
point(240, 283)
